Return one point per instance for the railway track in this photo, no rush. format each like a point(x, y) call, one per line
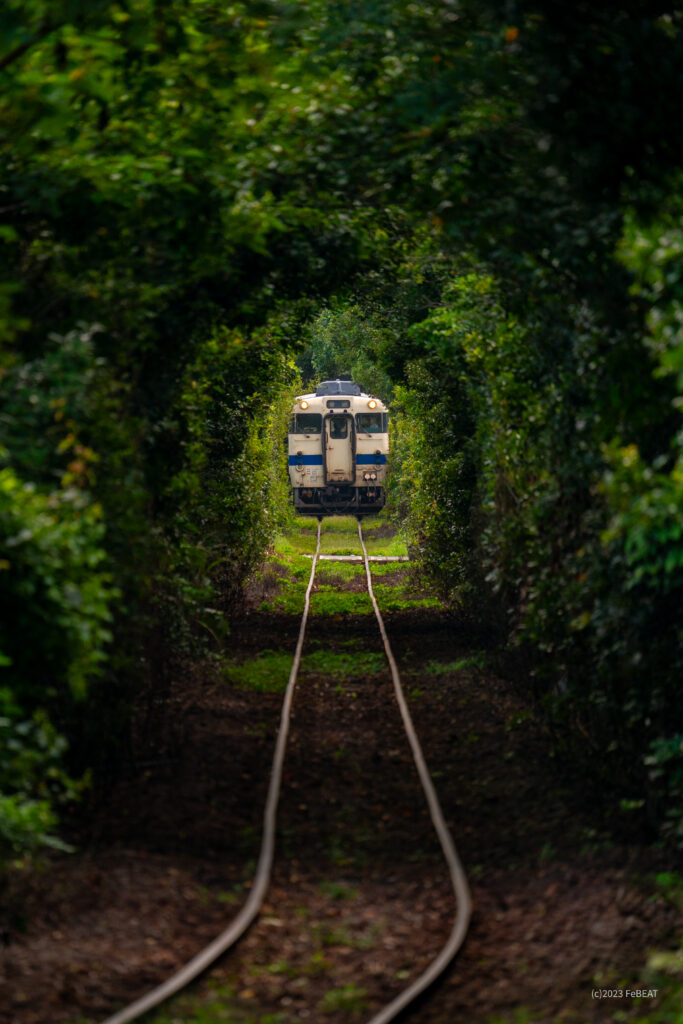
point(223, 942)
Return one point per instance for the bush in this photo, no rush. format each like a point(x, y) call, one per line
point(54, 628)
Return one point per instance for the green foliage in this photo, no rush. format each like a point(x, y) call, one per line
point(522, 487)
point(32, 781)
point(55, 599)
point(143, 427)
point(26, 827)
point(55, 619)
point(345, 342)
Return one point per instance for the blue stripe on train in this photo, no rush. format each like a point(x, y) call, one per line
point(317, 460)
point(305, 460)
point(371, 460)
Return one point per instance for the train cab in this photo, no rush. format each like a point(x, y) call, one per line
point(338, 447)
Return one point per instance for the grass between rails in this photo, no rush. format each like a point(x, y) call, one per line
point(329, 600)
point(269, 671)
point(339, 537)
point(386, 545)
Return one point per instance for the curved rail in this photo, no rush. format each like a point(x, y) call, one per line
point(458, 879)
point(237, 928)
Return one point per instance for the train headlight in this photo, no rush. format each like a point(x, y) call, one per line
point(373, 476)
point(372, 404)
point(304, 405)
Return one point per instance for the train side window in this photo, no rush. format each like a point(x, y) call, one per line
point(308, 423)
point(369, 422)
point(339, 427)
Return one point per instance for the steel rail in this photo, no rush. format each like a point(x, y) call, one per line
point(238, 927)
point(458, 878)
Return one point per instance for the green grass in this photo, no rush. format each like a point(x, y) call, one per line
point(349, 999)
point(328, 601)
point(339, 543)
point(670, 887)
point(519, 1016)
point(339, 572)
point(306, 524)
point(373, 523)
point(340, 524)
point(337, 890)
point(344, 665)
point(290, 600)
point(386, 545)
point(216, 1004)
point(294, 544)
point(339, 537)
point(267, 673)
point(395, 599)
point(440, 668)
point(386, 568)
point(664, 972)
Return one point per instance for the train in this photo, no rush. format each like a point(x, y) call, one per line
point(338, 445)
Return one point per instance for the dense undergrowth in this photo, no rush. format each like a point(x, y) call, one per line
point(477, 216)
point(537, 511)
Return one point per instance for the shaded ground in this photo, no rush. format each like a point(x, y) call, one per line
point(360, 900)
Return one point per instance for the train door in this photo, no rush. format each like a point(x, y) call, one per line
point(339, 447)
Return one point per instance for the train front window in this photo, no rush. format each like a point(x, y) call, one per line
point(308, 423)
point(339, 427)
point(370, 422)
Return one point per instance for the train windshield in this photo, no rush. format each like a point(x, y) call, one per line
point(371, 422)
point(306, 423)
point(339, 427)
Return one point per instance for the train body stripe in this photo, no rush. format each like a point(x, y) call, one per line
point(362, 459)
point(305, 460)
point(371, 460)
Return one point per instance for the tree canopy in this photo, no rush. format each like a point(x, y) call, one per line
point(474, 208)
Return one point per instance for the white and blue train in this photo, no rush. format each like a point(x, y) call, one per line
point(338, 447)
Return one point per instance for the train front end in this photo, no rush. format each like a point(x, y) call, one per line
point(338, 447)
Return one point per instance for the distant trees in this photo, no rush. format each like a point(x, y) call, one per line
point(343, 341)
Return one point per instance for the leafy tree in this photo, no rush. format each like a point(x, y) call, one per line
point(344, 342)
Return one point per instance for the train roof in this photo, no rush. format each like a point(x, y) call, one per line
point(326, 388)
point(346, 388)
point(337, 387)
